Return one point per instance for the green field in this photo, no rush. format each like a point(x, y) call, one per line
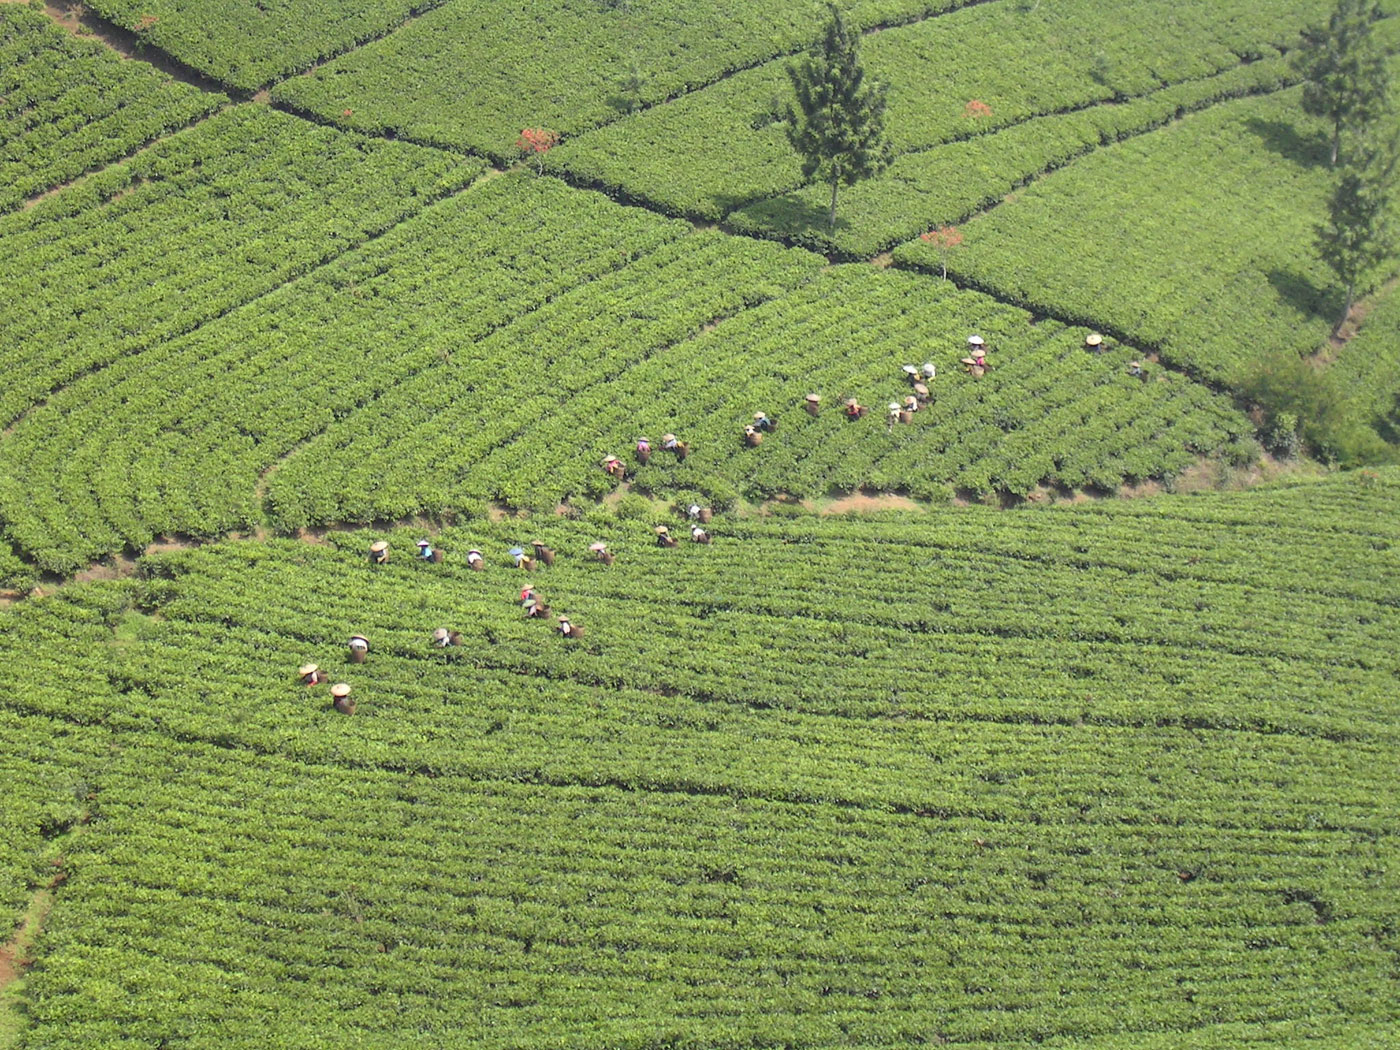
point(1077, 742)
point(940, 741)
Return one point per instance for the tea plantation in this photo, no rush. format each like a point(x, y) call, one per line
point(912, 733)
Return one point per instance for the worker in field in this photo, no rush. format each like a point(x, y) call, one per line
point(976, 343)
point(752, 438)
point(1093, 342)
point(427, 553)
point(921, 395)
point(929, 371)
point(911, 404)
point(763, 424)
point(568, 629)
point(700, 514)
point(475, 561)
point(643, 451)
point(359, 648)
point(535, 609)
point(1135, 369)
point(613, 467)
point(912, 371)
point(699, 535)
point(340, 698)
point(522, 560)
point(379, 552)
point(672, 444)
point(601, 552)
point(442, 638)
point(897, 415)
point(542, 553)
point(310, 674)
point(854, 409)
point(664, 537)
point(813, 404)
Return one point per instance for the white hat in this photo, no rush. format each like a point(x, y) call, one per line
point(929, 370)
point(760, 415)
point(306, 669)
point(974, 340)
point(359, 638)
point(379, 545)
point(1093, 339)
point(424, 543)
point(912, 370)
point(814, 398)
point(597, 546)
point(894, 406)
point(340, 689)
point(661, 530)
point(440, 634)
point(667, 437)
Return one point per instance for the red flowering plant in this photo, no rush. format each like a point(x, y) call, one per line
point(538, 141)
point(945, 239)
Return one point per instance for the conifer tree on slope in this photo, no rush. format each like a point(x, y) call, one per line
point(838, 124)
point(1344, 70)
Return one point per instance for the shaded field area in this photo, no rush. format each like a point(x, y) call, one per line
point(1082, 748)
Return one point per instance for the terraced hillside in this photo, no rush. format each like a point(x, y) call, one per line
point(768, 798)
point(1098, 774)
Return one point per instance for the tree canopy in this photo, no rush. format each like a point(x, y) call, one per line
point(838, 122)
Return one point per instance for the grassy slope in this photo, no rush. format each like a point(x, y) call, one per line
point(1084, 774)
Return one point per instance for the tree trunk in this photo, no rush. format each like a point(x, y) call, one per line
point(831, 215)
point(1346, 309)
point(1336, 141)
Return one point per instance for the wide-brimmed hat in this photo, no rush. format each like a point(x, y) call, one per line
point(516, 552)
point(537, 543)
point(441, 633)
point(1093, 339)
point(977, 351)
point(595, 547)
point(667, 437)
point(974, 340)
point(813, 398)
point(379, 545)
point(920, 389)
point(340, 689)
point(1134, 364)
point(306, 669)
point(424, 543)
point(359, 638)
point(661, 530)
point(912, 370)
point(929, 370)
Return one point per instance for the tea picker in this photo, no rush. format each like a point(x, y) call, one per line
point(643, 451)
point(379, 552)
point(854, 409)
point(1093, 342)
point(613, 467)
point(475, 561)
point(543, 553)
point(603, 554)
point(340, 699)
point(671, 444)
point(812, 403)
point(699, 535)
point(569, 629)
point(442, 638)
point(700, 514)
point(310, 674)
point(763, 424)
point(664, 537)
point(426, 552)
point(359, 648)
point(752, 438)
point(522, 560)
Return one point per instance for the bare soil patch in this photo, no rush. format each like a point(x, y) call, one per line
point(869, 503)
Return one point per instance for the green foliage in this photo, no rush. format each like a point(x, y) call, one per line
point(1215, 271)
point(770, 795)
point(69, 106)
point(1358, 240)
point(838, 124)
point(1346, 81)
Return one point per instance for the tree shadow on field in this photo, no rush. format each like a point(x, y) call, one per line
point(798, 219)
point(1310, 151)
point(1300, 293)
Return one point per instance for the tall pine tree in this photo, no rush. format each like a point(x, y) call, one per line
point(838, 123)
point(1359, 233)
point(1344, 71)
